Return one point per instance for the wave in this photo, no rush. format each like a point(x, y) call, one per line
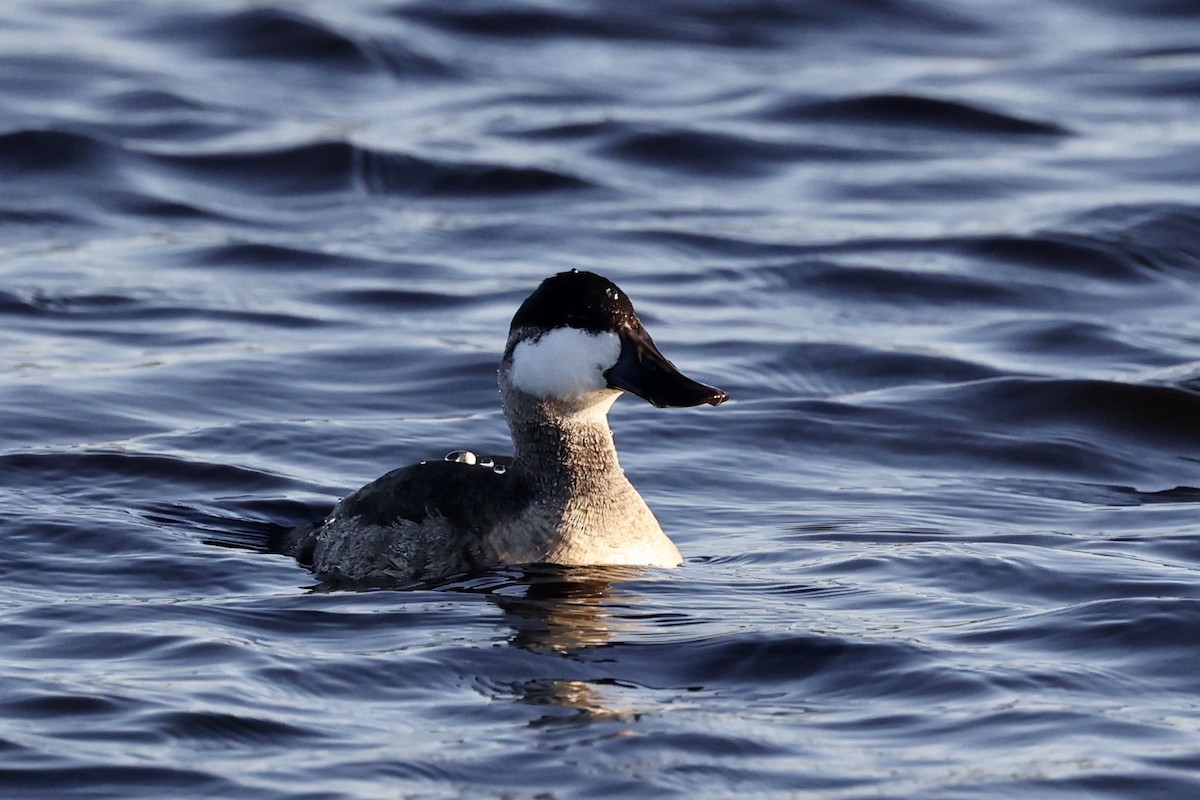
point(725, 23)
point(1089, 430)
point(325, 167)
point(35, 153)
point(50, 468)
point(1170, 10)
point(914, 111)
point(858, 283)
point(714, 154)
point(292, 37)
point(311, 168)
point(1161, 417)
point(388, 173)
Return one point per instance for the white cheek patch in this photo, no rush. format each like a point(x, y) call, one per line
point(566, 362)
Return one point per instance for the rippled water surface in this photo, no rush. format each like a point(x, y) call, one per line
point(944, 256)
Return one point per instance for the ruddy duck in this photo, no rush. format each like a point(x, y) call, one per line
point(574, 346)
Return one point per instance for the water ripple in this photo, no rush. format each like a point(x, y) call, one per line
point(934, 114)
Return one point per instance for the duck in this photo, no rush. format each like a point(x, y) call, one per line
point(575, 345)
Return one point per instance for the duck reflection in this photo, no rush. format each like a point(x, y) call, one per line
point(568, 611)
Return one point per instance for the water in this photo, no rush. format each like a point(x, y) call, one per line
point(945, 257)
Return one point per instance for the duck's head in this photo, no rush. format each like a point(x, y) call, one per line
point(576, 342)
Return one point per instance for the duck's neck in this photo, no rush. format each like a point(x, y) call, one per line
point(587, 510)
point(564, 449)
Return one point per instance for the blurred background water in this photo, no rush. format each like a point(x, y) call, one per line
point(945, 257)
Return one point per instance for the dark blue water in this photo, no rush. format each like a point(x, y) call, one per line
point(944, 542)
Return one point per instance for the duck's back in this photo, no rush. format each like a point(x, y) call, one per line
point(418, 522)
